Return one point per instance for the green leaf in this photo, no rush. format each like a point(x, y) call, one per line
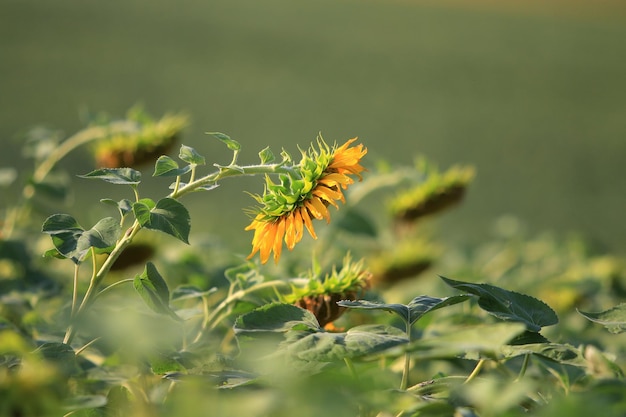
point(365, 340)
point(124, 176)
point(189, 155)
point(276, 318)
point(614, 319)
point(168, 216)
point(102, 235)
point(355, 222)
point(509, 305)
point(64, 231)
point(484, 340)
point(167, 167)
point(232, 144)
point(412, 312)
point(72, 241)
point(153, 290)
point(266, 156)
point(561, 353)
point(60, 223)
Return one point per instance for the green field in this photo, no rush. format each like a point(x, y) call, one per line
point(536, 101)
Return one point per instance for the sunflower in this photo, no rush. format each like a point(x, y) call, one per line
point(289, 206)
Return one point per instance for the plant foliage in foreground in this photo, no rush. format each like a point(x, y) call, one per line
point(118, 328)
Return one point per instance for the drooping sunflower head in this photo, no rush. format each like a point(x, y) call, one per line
point(320, 294)
point(152, 138)
point(303, 194)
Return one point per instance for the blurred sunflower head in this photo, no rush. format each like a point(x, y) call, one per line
point(438, 191)
point(288, 206)
point(151, 139)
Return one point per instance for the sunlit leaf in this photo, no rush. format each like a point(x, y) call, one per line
point(509, 305)
point(124, 176)
point(614, 319)
point(266, 156)
point(168, 216)
point(232, 144)
point(168, 167)
point(190, 155)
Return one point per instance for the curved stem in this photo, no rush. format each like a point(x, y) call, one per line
point(78, 139)
point(82, 349)
point(115, 284)
point(476, 371)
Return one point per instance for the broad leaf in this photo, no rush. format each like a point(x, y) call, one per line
point(167, 167)
point(614, 319)
point(189, 155)
point(102, 235)
point(168, 216)
point(124, 176)
point(73, 242)
point(153, 290)
point(359, 341)
point(232, 144)
point(276, 318)
point(561, 353)
point(509, 305)
point(412, 312)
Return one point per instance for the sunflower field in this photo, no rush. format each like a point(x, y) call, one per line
point(336, 310)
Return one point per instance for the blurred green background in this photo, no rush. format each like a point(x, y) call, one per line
point(531, 93)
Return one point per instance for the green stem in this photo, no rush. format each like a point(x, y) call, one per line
point(82, 349)
point(476, 371)
point(115, 284)
point(75, 290)
point(226, 172)
point(407, 361)
point(99, 276)
point(80, 138)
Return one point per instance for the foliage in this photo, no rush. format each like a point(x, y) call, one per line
point(202, 331)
